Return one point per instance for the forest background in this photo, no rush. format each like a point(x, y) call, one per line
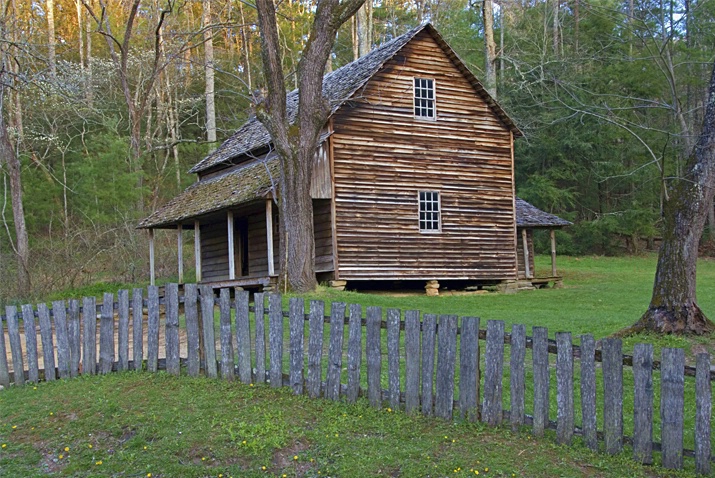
point(107, 104)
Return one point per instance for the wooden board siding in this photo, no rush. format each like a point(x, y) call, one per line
point(383, 157)
point(323, 235)
point(214, 251)
point(520, 253)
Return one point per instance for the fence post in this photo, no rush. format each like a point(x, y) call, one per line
point(564, 388)
point(516, 375)
point(374, 356)
point(137, 328)
point(588, 391)
point(73, 330)
point(4, 371)
point(315, 348)
point(446, 358)
point(643, 403)
point(297, 328)
point(275, 339)
point(48, 347)
point(469, 368)
point(171, 330)
point(28, 321)
point(13, 331)
point(335, 350)
point(393, 357)
point(672, 389)
point(493, 373)
point(540, 356)
point(354, 351)
point(260, 331)
point(123, 332)
point(224, 306)
point(412, 361)
point(89, 335)
point(152, 340)
point(243, 335)
point(191, 313)
point(703, 411)
point(613, 395)
point(209, 334)
point(429, 334)
point(106, 334)
point(64, 355)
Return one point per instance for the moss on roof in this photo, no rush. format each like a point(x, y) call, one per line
point(239, 186)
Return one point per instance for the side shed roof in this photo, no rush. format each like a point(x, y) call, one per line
point(528, 215)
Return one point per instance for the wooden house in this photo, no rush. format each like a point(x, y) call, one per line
point(413, 180)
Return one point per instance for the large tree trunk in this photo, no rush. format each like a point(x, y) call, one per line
point(209, 74)
point(490, 55)
point(296, 144)
point(51, 42)
point(673, 307)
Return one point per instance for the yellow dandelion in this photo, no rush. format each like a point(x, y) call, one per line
point(312, 460)
point(144, 447)
point(295, 457)
point(454, 441)
point(90, 445)
point(389, 410)
point(148, 475)
point(99, 462)
point(445, 437)
point(67, 448)
point(52, 413)
point(486, 470)
point(34, 388)
point(4, 445)
point(476, 472)
point(284, 475)
point(243, 442)
point(263, 468)
point(336, 435)
point(203, 458)
point(220, 475)
point(251, 385)
point(32, 428)
point(60, 457)
point(14, 427)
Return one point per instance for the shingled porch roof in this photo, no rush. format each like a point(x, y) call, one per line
point(338, 87)
point(530, 216)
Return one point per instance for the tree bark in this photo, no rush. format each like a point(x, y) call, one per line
point(296, 143)
point(364, 29)
point(51, 42)
point(673, 307)
point(490, 55)
point(209, 74)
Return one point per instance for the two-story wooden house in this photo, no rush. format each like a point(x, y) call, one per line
point(413, 180)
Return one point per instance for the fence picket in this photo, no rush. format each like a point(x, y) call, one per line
point(516, 375)
point(4, 371)
point(224, 306)
point(612, 395)
point(429, 337)
point(48, 347)
point(393, 357)
point(564, 388)
point(171, 328)
point(373, 352)
point(315, 348)
point(191, 314)
point(138, 328)
point(243, 335)
point(493, 373)
point(540, 356)
point(412, 361)
point(13, 332)
point(354, 352)
point(28, 323)
point(296, 308)
point(703, 413)
point(209, 333)
point(335, 350)
point(64, 355)
point(123, 331)
point(73, 331)
point(275, 339)
point(152, 334)
point(469, 368)
point(260, 331)
point(588, 391)
point(643, 403)
point(446, 366)
point(106, 334)
point(89, 335)
point(672, 389)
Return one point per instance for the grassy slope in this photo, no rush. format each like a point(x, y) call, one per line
point(139, 424)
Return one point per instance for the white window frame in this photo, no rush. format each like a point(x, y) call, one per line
point(429, 207)
point(416, 98)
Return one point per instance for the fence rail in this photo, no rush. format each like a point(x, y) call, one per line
point(430, 360)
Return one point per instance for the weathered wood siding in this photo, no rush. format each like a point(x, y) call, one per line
point(323, 235)
point(214, 251)
point(520, 253)
point(383, 156)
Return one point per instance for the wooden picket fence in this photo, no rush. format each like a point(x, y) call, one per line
point(440, 357)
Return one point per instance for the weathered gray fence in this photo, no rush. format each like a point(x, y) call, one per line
point(440, 354)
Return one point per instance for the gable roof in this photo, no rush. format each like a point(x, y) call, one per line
point(338, 87)
point(528, 215)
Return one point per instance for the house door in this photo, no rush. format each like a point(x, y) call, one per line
point(241, 247)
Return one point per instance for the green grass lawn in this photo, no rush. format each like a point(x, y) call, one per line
point(141, 424)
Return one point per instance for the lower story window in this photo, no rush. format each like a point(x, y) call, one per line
point(429, 211)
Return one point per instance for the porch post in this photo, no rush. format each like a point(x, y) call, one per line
point(525, 245)
point(553, 252)
point(231, 258)
point(180, 246)
point(197, 249)
point(269, 236)
point(151, 257)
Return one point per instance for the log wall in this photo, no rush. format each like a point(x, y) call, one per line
point(383, 156)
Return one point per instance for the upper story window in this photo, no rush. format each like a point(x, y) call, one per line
point(424, 98)
point(429, 211)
